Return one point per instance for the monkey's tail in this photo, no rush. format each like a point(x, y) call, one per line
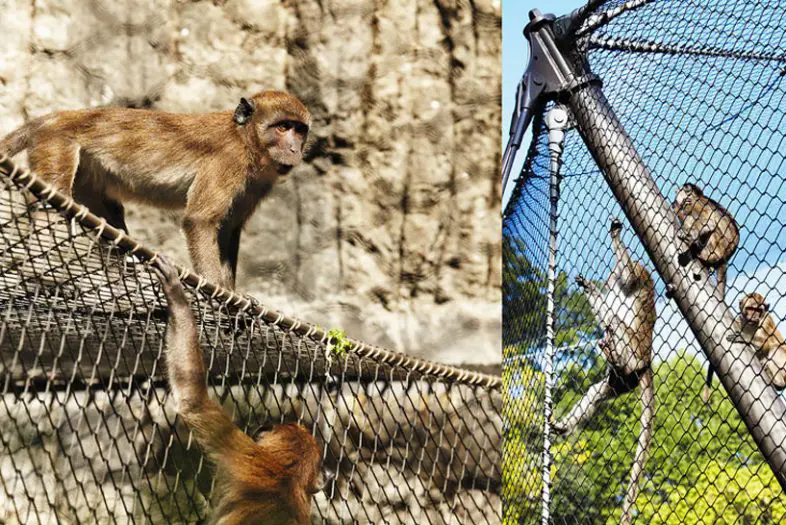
point(19, 139)
point(720, 276)
point(647, 396)
point(705, 393)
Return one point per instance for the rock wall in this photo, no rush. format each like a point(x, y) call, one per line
point(391, 229)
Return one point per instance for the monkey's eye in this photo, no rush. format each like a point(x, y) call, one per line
point(284, 126)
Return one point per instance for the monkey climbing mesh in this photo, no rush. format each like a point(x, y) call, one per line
point(699, 88)
point(88, 432)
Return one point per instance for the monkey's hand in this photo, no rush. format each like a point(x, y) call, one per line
point(559, 428)
point(583, 282)
point(732, 338)
point(170, 281)
point(616, 226)
point(682, 234)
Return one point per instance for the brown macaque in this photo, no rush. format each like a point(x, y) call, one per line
point(218, 166)
point(626, 311)
point(269, 479)
point(756, 327)
point(712, 235)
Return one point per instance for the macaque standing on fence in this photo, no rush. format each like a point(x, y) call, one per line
point(218, 166)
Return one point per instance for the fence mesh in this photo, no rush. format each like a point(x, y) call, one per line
point(699, 88)
point(89, 433)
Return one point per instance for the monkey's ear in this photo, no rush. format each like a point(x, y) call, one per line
point(243, 112)
point(767, 306)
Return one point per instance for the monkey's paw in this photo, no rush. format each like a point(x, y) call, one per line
point(166, 273)
point(559, 428)
point(682, 235)
point(616, 225)
point(583, 282)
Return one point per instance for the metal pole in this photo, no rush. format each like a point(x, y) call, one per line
point(556, 120)
point(740, 372)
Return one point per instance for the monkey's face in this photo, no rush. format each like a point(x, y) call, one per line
point(753, 309)
point(280, 123)
point(685, 197)
point(284, 140)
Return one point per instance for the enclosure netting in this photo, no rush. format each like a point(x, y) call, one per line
point(90, 434)
point(699, 87)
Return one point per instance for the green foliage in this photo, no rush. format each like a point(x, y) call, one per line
point(524, 303)
point(523, 446)
point(337, 342)
point(704, 466)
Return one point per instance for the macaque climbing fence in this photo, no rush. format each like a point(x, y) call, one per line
point(655, 94)
point(89, 432)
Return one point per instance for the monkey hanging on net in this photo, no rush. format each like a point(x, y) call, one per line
point(268, 479)
point(625, 308)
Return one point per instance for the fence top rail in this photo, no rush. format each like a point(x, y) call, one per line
point(26, 180)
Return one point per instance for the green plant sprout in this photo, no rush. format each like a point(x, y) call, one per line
point(337, 342)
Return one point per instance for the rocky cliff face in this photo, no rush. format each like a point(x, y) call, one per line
point(391, 229)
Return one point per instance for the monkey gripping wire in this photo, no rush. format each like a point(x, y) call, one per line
point(556, 121)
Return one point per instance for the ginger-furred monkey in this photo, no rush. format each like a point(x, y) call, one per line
point(269, 479)
point(712, 235)
point(218, 166)
point(755, 326)
point(625, 309)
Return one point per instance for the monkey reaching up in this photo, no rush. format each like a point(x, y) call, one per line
point(269, 479)
point(712, 235)
point(756, 327)
point(626, 311)
point(218, 166)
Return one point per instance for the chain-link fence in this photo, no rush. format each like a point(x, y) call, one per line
point(699, 88)
point(89, 432)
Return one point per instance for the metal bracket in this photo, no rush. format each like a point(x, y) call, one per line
point(548, 74)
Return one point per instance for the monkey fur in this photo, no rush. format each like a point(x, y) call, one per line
point(217, 166)
point(755, 326)
point(269, 479)
point(712, 235)
point(625, 308)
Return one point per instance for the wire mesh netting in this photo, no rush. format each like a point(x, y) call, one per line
point(699, 87)
point(90, 434)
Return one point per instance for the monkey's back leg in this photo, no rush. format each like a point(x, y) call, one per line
point(586, 407)
point(55, 160)
point(775, 366)
point(90, 188)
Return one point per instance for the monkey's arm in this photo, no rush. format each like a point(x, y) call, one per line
point(626, 270)
point(212, 429)
point(202, 239)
